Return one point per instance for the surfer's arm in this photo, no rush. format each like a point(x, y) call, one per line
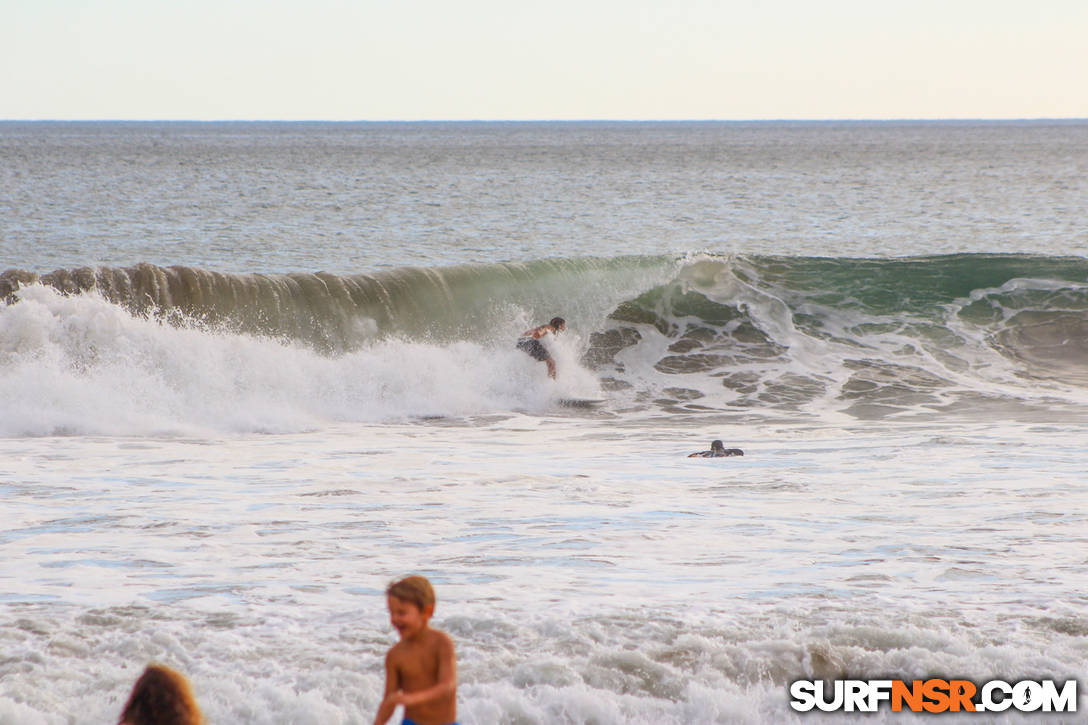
point(537, 332)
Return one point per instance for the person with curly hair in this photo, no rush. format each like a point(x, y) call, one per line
point(161, 697)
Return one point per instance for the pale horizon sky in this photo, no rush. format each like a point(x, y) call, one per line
point(364, 60)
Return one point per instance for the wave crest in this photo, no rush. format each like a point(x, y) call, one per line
point(755, 337)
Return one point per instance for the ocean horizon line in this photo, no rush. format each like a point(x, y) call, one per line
point(500, 121)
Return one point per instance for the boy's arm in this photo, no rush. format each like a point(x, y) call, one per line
point(392, 684)
point(447, 676)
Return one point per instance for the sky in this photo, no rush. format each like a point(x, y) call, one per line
point(375, 60)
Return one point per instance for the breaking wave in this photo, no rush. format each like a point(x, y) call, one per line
point(166, 349)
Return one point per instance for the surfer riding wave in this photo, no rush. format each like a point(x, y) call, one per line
point(530, 342)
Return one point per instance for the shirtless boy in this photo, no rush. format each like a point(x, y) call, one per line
point(420, 670)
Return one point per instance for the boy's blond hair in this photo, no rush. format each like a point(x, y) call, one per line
point(414, 589)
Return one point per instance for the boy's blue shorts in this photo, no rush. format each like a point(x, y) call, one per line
point(406, 721)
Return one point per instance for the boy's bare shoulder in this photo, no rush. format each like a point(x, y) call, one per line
point(436, 639)
point(442, 638)
point(432, 639)
point(396, 652)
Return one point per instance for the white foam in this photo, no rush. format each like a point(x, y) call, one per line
point(639, 666)
point(80, 365)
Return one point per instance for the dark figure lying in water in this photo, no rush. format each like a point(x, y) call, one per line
point(717, 450)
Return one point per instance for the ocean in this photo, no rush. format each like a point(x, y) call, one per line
point(252, 372)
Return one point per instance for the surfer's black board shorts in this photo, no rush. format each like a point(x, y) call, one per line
point(532, 346)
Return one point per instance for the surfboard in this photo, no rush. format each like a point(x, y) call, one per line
point(581, 402)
